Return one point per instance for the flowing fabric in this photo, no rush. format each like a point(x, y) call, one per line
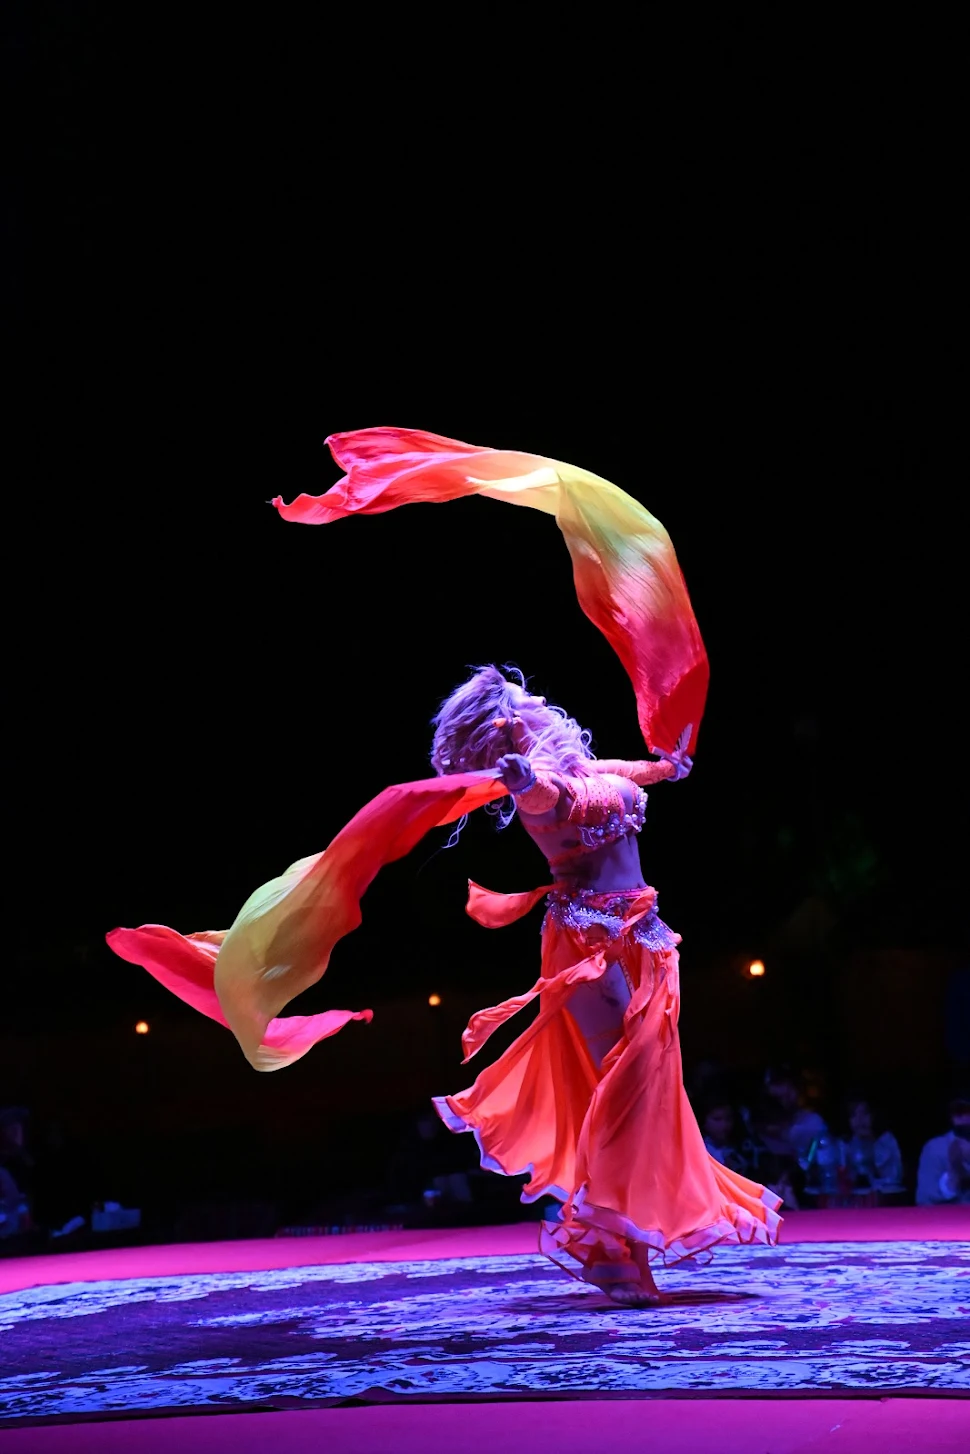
point(627, 578)
point(617, 1143)
point(615, 1139)
point(281, 941)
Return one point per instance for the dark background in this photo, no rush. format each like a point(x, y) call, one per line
point(226, 246)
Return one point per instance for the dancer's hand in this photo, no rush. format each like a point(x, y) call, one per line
point(682, 763)
point(515, 772)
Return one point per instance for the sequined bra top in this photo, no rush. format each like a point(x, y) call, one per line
point(600, 817)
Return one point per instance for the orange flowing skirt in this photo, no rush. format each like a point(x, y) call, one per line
point(618, 1144)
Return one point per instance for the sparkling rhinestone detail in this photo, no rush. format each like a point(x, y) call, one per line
point(579, 910)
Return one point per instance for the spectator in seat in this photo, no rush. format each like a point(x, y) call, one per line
point(943, 1177)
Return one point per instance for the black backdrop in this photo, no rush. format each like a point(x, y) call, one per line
point(220, 257)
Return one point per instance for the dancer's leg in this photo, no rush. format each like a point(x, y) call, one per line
point(598, 1008)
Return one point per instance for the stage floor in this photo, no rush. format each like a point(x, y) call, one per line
point(674, 1426)
point(457, 1339)
point(885, 1224)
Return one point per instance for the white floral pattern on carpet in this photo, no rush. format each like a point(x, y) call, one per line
point(814, 1317)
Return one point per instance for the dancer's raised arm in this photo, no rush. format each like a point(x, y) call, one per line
point(644, 772)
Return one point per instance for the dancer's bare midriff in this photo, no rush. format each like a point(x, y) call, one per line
point(614, 868)
point(597, 1008)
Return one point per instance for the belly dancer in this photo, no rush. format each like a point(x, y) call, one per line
point(589, 1101)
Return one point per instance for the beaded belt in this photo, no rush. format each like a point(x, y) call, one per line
point(580, 909)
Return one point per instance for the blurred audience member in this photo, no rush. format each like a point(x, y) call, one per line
point(14, 1144)
point(870, 1154)
point(719, 1125)
point(944, 1163)
point(16, 1167)
point(14, 1207)
point(763, 1165)
point(65, 1181)
point(787, 1131)
point(788, 1127)
point(707, 1081)
point(430, 1165)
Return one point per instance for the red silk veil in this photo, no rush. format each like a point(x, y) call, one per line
point(628, 581)
point(283, 936)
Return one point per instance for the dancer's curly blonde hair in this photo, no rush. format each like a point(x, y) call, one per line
point(467, 740)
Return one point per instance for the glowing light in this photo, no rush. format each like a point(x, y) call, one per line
point(142, 1027)
point(756, 969)
point(434, 999)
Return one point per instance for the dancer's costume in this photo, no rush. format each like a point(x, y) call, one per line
point(618, 1144)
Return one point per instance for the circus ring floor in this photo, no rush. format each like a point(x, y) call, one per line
point(854, 1335)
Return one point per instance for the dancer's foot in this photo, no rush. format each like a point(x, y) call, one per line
point(631, 1295)
point(644, 1293)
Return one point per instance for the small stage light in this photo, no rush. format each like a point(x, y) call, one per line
point(142, 1027)
point(434, 999)
point(756, 969)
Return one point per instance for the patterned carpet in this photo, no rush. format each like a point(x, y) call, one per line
point(814, 1318)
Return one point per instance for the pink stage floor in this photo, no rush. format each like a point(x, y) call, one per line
point(669, 1426)
point(887, 1224)
point(712, 1425)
